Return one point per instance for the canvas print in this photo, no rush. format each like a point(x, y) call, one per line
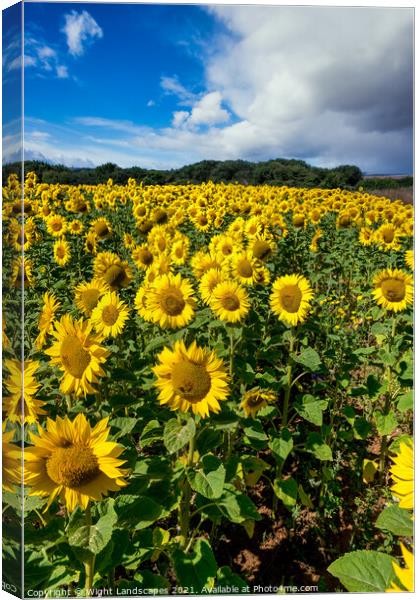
point(208, 279)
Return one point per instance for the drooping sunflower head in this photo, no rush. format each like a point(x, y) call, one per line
point(112, 270)
point(230, 301)
point(91, 242)
point(101, 227)
point(262, 247)
point(256, 399)
point(73, 461)
point(87, 295)
point(393, 289)
point(142, 256)
point(191, 378)
point(78, 355)
point(171, 301)
point(46, 318)
point(290, 298)
point(110, 314)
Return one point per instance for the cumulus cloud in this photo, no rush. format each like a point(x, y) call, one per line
point(80, 29)
point(343, 74)
point(207, 110)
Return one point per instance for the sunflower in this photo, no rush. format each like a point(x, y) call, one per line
point(171, 301)
point(387, 237)
point(393, 289)
point(22, 275)
point(191, 378)
point(23, 386)
point(409, 259)
point(74, 461)
point(256, 399)
point(262, 247)
point(46, 318)
point(11, 462)
point(179, 250)
point(142, 256)
point(101, 227)
point(78, 354)
point(313, 247)
point(112, 270)
point(245, 267)
point(366, 236)
point(109, 316)
point(230, 301)
point(403, 475)
point(299, 220)
point(290, 298)
point(75, 227)
point(91, 242)
point(141, 302)
point(87, 294)
point(62, 252)
point(208, 282)
point(202, 261)
point(405, 575)
point(56, 225)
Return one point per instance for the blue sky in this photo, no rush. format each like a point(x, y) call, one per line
point(166, 85)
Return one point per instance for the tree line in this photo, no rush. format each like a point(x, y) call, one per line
point(279, 172)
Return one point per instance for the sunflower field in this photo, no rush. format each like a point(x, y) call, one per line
point(216, 389)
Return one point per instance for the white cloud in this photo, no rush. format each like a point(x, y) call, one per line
point(151, 103)
point(171, 85)
point(80, 28)
point(180, 117)
point(62, 72)
point(208, 110)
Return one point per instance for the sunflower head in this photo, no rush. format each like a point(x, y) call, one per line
point(393, 289)
point(88, 293)
point(230, 301)
point(290, 298)
point(191, 379)
point(73, 461)
point(109, 316)
point(112, 270)
point(256, 399)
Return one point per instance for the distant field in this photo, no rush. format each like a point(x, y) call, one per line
point(404, 193)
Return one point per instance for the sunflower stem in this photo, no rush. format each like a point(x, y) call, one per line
point(387, 406)
point(90, 562)
point(289, 382)
point(184, 506)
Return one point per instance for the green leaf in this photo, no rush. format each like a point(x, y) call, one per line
point(156, 585)
point(91, 539)
point(237, 507)
point(394, 447)
point(405, 401)
point(124, 424)
point(137, 512)
point(396, 520)
point(309, 358)
point(286, 490)
point(316, 445)
point(207, 440)
point(229, 581)
point(385, 424)
point(361, 428)
point(210, 478)
point(311, 409)
point(281, 445)
point(152, 432)
point(363, 571)
point(176, 435)
point(197, 569)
